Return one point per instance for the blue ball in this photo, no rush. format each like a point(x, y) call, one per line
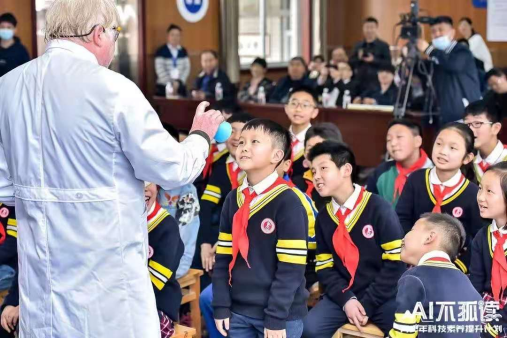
point(224, 132)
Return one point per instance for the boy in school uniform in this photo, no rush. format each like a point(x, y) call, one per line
point(301, 109)
point(485, 122)
point(431, 246)
point(164, 254)
point(255, 292)
point(403, 143)
point(226, 176)
point(358, 248)
point(315, 135)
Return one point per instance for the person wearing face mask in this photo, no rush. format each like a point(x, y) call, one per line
point(77, 141)
point(12, 52)
point(455, 75)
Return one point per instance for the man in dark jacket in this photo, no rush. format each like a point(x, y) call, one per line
point(455, 74)
point(297, 77)
point(212, 82)
point(12, 52)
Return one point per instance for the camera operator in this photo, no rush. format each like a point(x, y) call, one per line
point(455, 74)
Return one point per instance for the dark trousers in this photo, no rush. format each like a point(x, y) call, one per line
point(327, 317)
point(245, 327)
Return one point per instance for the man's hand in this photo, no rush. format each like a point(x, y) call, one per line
point(222, 326)
point(198, 95)
point(275, 334)
point(10, 316)
point(207, 256)
point(207, 122)
point(357, 100)
point(356, 313)
point(368, 58)
point(422, 45)
point(369, 101)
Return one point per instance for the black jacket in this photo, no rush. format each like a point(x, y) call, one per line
point(284, 86)
point(218, 76)
point(12, 57)
point(367, 72)
point(455, 78)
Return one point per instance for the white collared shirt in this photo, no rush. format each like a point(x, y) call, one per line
point(350, 203)
point(433, 254)
point(260, 187)
point(300, 138)
point(434, 180)
point(174, 50)
point(221, 147)
point(498, 154)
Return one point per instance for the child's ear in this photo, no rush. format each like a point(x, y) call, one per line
point(315, 112)
point(278, 156)
point(346, 170)
point(496, 128)
point(430, 238)
point(468, 158)
point(418, 141)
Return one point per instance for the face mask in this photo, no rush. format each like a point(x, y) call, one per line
point(442, 43)
point(6, 34)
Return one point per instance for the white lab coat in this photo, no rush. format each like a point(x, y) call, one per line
point(76, 143)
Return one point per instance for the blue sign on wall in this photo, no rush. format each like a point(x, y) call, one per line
point(480, 3)
point(192, 10)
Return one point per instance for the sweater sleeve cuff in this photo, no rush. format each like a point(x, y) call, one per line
point(221, 313)
point(274, 324)
point(202, 134)
point(342, 298)
point(368, 306)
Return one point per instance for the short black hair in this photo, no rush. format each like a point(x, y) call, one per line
point(306, 89)
point(325, 130)
point(210, 51)
point(413, 126)
point(483, 107)
point(371, 19)
point(318, 57)
point(240, 117)
point(340, 154)
point(287, 153)
point(171, 130)
point(494, 72)
point(442, 19)
point(467, 19)
point(173, 26)
point(10, 18)
point(261, 62)
point(279, 135)
point(386, 67)
point(229, 106)
point(300, 59)
point(452, 229)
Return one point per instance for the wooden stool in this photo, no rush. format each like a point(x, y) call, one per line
point(191, 290)
point(351, 331)
point(183, 332)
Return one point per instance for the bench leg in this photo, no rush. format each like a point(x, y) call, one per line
point(195, 309)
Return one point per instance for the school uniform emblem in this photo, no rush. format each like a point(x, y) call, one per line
point(4, 212)
point(150, 252)
point(268, 226)
point(368, 232)
point(457, 212)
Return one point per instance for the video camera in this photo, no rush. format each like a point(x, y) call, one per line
point(409, 23)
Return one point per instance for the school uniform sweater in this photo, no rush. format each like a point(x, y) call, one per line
point(375, 230)
point(499, 154)
point(168, 65)
point(164, 254)
point(9, 245)
point(305, 184)
point(382, 180)
point(417, 198)
point(435, 280)
point(273, 288)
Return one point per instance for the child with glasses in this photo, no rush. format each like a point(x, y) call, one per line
point(301, 109)
point(485, 122)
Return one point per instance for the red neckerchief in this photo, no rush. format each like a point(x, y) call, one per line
point(499, 267)
point(233, 173)
point(209, 161)
point(440, 195)
point(403, 173)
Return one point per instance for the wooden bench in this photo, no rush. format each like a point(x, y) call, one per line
point(191, 290)
point(183, 332)
point(351, 331)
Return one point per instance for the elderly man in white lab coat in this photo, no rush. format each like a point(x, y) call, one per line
point(76, 143)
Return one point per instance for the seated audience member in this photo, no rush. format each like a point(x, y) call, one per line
point(172, 63)
point(183, 204)
point(339, 55)
point(212, 82)
point(358, 248)
point(318, 62)
point(404, 145)
point(165, 252)
point(315, 135)
point(250, 92)
point(489, 264)
point(342, 81)
point(476, 43)
point(430, 247)
point(497, 96)
point(484, 122)
point(368, 55)
point(12, 52)
point(386, 93)
point(297, 77)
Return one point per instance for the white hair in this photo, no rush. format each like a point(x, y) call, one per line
point(77, 17)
